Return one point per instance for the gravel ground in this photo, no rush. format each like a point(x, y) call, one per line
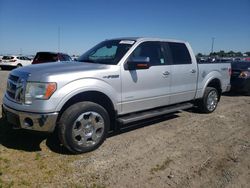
point(186, 149)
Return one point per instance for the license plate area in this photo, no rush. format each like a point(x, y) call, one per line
point(13, 119)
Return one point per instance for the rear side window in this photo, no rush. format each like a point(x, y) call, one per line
point(180, 53)
point(66, 58)
point(7, 57)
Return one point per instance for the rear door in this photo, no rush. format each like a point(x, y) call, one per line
point(147, 88)
point(183, 73)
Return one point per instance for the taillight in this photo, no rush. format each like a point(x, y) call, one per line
point(243, 74)
point(230, 71)
point(13, 60)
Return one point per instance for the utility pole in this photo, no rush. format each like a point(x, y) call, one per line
point(59, 38)
point(212, 49)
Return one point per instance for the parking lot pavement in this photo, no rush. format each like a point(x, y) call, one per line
point(186, 149)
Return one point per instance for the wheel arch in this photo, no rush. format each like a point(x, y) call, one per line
point(215, 83)
point(92, 96)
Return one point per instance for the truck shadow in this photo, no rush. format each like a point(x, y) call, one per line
point(30, 141)
point(234, 94)
point(19, 139)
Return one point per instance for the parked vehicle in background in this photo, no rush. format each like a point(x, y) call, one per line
point(116, 83)
point(14, 61)
point(46, 57)
point(247, 59)
point(240, 79)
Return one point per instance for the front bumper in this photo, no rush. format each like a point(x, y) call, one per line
point(44, 122)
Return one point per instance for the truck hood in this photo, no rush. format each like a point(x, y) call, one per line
point(61, 67)
point(66, 71)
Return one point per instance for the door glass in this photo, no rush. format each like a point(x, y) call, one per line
point(180, 53)
point(153, 50)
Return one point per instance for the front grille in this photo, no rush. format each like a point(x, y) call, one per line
point(15, 88)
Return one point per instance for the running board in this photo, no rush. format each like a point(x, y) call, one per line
point(153, 113)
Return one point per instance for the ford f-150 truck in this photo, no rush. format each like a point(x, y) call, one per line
point(117, 82)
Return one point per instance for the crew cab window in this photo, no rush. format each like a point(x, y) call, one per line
point(153, 50)
point(180, 53)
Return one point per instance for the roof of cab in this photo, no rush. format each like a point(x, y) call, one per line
point(148, 39)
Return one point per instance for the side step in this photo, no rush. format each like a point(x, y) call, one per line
point(153, 113)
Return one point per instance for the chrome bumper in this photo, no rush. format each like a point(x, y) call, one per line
point(31, 121)
point(228, 88)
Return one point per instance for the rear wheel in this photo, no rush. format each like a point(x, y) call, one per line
point(209, 101)
point(83, 127)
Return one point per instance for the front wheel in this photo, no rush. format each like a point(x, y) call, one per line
point(209, 101)
point(83, 127)
point(19, 65)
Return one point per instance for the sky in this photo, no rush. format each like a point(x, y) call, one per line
point(74, 26)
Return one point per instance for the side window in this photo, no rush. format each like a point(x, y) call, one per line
point(67, 58)
point(180, 53)
point(153, 50)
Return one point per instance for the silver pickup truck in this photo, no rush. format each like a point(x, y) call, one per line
point(116, 83)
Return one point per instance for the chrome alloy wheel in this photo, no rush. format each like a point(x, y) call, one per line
point(88, 129)
point(212, 100)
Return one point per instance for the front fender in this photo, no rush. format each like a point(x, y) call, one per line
point(84, 85)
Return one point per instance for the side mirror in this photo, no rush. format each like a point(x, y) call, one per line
point(135, 63)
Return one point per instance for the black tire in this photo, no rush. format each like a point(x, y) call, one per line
point(3, 68)
point(19, 65)
point(203, 104)
point(79, 127)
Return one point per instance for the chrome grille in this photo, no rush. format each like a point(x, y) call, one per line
point(15, 88)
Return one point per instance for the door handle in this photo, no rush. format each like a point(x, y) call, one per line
point(166, 73)
point(193, 71)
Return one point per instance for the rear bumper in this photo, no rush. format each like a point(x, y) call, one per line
point(241, 85)
point(44, 122)
point(8, 64)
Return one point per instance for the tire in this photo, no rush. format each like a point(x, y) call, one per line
point(83, 127)
point(3, 68)
point(209, 101)
point(19, 65)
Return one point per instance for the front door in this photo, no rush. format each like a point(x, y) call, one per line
point(147, 88)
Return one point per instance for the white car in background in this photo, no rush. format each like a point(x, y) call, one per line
point(13, 61)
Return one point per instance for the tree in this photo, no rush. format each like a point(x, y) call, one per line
point(221, 53)
point(238, 54)
point(248, 53)
point(230, 54)
point(199, 55)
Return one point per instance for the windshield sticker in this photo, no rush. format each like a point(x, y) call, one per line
point(126, 42)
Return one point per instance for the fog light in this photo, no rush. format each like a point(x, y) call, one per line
point(28, 122)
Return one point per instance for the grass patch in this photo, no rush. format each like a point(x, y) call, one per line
point(38, 156)
point(97, 186)
point(4, 160)
point(161, 167)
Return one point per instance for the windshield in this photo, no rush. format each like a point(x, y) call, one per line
point(107, 52)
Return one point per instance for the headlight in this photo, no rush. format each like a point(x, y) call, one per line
point(40, 91)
